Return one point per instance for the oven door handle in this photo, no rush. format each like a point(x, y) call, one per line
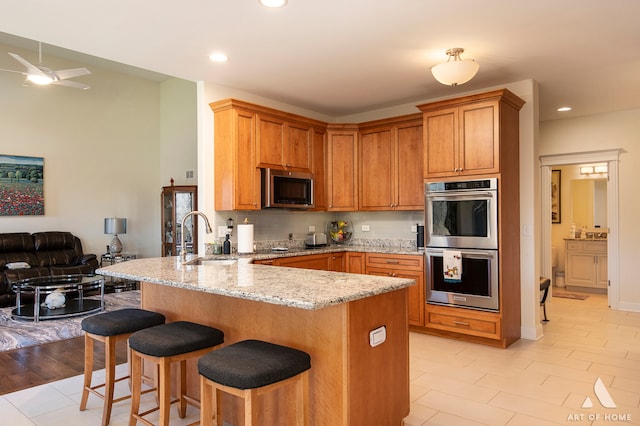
point(458, 195)
point(475, 254)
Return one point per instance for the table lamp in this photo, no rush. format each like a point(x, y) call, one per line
point(115, 226)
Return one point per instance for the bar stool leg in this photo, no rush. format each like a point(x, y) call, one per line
point(251, 407)
point(110, 371)
point(136, 387)
point(207, 394)
point(165, 391)
point(182, 388)
point(88, 371)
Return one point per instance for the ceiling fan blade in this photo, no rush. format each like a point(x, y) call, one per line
point(31, 69)
point(73, 84)
point(17, 72)
point(71, 73)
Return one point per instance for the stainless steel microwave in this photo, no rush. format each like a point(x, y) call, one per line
point(288, 190)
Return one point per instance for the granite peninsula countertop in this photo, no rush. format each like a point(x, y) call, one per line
point(237, 276)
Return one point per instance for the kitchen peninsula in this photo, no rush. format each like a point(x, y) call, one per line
point(330, 315)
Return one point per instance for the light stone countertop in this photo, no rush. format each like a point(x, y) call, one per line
point(237, 276)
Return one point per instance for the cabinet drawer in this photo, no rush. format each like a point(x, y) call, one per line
point(483, 327)
point(405, 262)
point(587, 246)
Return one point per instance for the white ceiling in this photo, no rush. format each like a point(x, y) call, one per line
point(339, 57)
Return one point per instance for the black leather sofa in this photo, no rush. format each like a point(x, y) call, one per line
point(45, 253)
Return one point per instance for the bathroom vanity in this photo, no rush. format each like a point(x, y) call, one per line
point(586, 264)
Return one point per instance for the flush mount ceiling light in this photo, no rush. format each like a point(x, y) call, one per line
point(564, 109)
point(456, 71)
point(273, 3)
point(218, 57)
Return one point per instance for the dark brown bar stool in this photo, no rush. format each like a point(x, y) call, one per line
point(164, 344)
point(544, 289)
point(110, 328)
point(247, 369)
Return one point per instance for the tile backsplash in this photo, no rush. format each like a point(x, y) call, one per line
point(273, 228)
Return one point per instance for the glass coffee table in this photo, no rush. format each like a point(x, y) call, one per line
point(74, 287)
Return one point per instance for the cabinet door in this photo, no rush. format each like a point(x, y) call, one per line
point(441, 143)
point(319, 181)
point(479, 138)
point(176, 202)
point(270, 136)
point(338, 262)
point(602, 272)
point(297, 147)
point(416, 298)
point(377, 170)
point(402, 266)
point(581, 269)
point(409, 174)
point(355, 263)
point(342, 171)
point(246, 185)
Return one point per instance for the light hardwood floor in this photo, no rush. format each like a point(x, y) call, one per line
point(453, 383)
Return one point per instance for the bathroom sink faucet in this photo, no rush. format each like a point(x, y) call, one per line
point(183, 254)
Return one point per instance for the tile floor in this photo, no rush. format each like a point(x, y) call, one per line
point(453, 383)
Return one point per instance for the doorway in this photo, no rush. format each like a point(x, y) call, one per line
point(611, 157)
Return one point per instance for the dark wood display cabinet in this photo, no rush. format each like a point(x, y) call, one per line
point(176, 201)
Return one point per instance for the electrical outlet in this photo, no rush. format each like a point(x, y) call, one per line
point(365, 228)
point(414, 228)
point(312, 228)
point(222, 231)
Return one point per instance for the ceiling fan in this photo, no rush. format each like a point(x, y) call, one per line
point(41, 75)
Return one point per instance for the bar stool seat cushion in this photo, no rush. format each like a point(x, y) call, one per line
point(251, 364)
point(122, 321)
point(175, 338)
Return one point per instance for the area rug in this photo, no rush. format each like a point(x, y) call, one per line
point(20, 333)
point(571, 296)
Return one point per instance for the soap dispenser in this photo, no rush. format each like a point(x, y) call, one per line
point(226, 246)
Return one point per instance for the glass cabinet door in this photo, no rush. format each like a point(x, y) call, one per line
point(176, 202)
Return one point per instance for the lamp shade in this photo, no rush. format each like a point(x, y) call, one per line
point(115, 225)
point(453, 73)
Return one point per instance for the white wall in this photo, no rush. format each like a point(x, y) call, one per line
point(178, 132)
point(609, 131)
point(100, 148)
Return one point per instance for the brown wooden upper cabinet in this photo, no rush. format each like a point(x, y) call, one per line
point(463, 136)
point(237, 180)
point(342, 167)
point(248, 137)
point(390, 164)
point(282, 144)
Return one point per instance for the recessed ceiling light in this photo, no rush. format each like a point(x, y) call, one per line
point(218, 57)
point(564, 109)
point(273, 3)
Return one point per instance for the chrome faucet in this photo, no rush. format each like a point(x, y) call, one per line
point(207, 229)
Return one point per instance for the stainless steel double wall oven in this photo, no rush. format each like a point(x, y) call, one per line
point(462, 216)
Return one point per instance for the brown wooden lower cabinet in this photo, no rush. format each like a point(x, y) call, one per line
point(402, 266)
point(468, 322)
point(392, 265)
point(351, 383)
point(355, 262)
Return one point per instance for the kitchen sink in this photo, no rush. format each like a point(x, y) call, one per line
point(212, 260)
